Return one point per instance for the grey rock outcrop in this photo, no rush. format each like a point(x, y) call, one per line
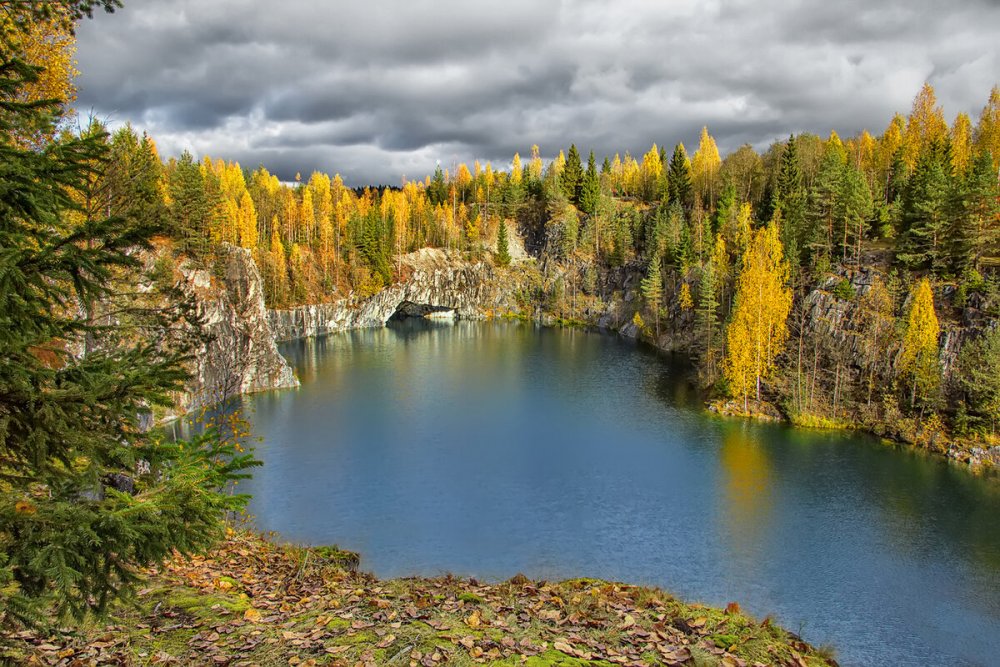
point(240, 356)
point(432, 278)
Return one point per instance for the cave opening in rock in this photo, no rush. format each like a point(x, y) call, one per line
point(408, 309)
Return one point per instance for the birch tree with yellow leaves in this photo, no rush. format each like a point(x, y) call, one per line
point(758, 329)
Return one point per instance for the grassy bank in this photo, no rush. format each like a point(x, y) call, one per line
point(255, 602)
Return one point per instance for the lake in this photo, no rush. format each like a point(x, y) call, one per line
point(488, 449)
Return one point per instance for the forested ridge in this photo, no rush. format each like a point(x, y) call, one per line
point(730, 249)
point(901, 229)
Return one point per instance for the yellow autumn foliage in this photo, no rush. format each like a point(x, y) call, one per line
point(919, 357)
point(758, 329)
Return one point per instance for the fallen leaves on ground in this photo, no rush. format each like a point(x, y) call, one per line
point(252, 602)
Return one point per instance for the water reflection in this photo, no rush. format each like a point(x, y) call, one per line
point(747, 491)
point(488, 449)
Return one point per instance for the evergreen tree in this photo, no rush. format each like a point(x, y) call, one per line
point(679, 186)
point(925, 215)
point(590, 189)
point(708, 315)
point(437, 192)
point(976, 225)
point(652, 289)
point(189, 208)
point(88, 498)
point(852, 211)
point(571, 177)
point(132, 177)
point(979, 378)
point(790, 198)
point(503, 245)
point(818, 237)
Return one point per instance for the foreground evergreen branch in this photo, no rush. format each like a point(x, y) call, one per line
point(88, 497)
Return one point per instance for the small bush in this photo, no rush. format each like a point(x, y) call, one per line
point(844, 290)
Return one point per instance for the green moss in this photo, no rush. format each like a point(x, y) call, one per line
point(363, 637)
point(207, 605)
point(338, 624)
point(470, 598)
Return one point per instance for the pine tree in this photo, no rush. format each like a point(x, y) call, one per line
point(88, 498)
point(503, 246)
point(818, 239)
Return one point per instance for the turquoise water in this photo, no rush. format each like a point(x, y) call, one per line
point(491, 449)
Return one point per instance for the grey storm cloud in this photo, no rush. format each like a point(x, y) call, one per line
point(378, 90)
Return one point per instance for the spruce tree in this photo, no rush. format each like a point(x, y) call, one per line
point(925, 214)
point(679, 185)
point(503, 245)
point(590, 189)
point(790, 197)
point(189, 208)
point(975, 229)
point(571, 176)
point(88, 497)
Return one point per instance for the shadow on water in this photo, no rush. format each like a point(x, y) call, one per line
point(486, 449)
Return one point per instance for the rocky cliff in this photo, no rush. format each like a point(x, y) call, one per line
point(432, 280)
point(239, 355)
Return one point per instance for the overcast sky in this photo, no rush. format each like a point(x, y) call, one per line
point(381, 89)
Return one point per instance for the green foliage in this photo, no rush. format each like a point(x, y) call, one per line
point(790, 199)
point(571, 178)
point(503, 246)
point(979, 379)
point(590, 188)
point(88, 497)
point(190, 207)
point(844, 290)
point(652, 289)
point(679, 185)
point(924, 215)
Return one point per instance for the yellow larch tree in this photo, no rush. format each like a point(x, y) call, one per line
point(650, 173)
point(515, 169)
point(961, 143)
point(758, 329)
point(705, 168)
point(535, 166)
point(925, 125)
point(246, 222)
point(988, 129)
point(918, 360)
